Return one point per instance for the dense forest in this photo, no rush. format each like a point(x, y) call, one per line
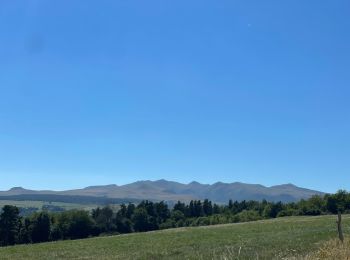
point(146, 216)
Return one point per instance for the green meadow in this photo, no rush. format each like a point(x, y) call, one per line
point(281, 238)
point(39, 204)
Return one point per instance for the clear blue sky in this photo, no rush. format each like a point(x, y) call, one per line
point(100, 92)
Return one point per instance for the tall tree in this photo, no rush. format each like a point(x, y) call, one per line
point(9, 225)
point(207, 207)
point(80, 224)
point(141, 220)
point(41, 227)
point(104, 219)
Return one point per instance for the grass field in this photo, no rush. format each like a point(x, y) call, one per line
point(281, 238)
point(39, 204)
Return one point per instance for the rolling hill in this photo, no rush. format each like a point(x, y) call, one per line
point(172, 191)
point(281, 238)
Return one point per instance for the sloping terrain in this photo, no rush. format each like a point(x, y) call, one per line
point(280, 238)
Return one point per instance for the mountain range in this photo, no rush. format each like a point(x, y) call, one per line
point(171, 191)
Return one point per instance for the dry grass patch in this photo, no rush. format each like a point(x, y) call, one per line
point(332, 249)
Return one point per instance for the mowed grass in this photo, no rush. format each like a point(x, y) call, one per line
point(268, 239)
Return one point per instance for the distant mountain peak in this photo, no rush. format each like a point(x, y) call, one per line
point(162, 189)
point(17, 189)
point(162, 181)
point(108, 186)
point(287, 185)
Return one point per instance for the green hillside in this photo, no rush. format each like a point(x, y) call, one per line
point(40, 204)
point(278, 238)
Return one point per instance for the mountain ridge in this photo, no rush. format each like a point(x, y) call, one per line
point(162, 189)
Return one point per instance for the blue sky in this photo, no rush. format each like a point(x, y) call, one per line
point(100, 92)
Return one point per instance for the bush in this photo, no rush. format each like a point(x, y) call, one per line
point(247, 215)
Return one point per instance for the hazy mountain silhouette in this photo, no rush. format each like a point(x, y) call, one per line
point(172, 191)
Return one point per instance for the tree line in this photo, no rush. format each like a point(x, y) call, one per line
point(146, 216)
